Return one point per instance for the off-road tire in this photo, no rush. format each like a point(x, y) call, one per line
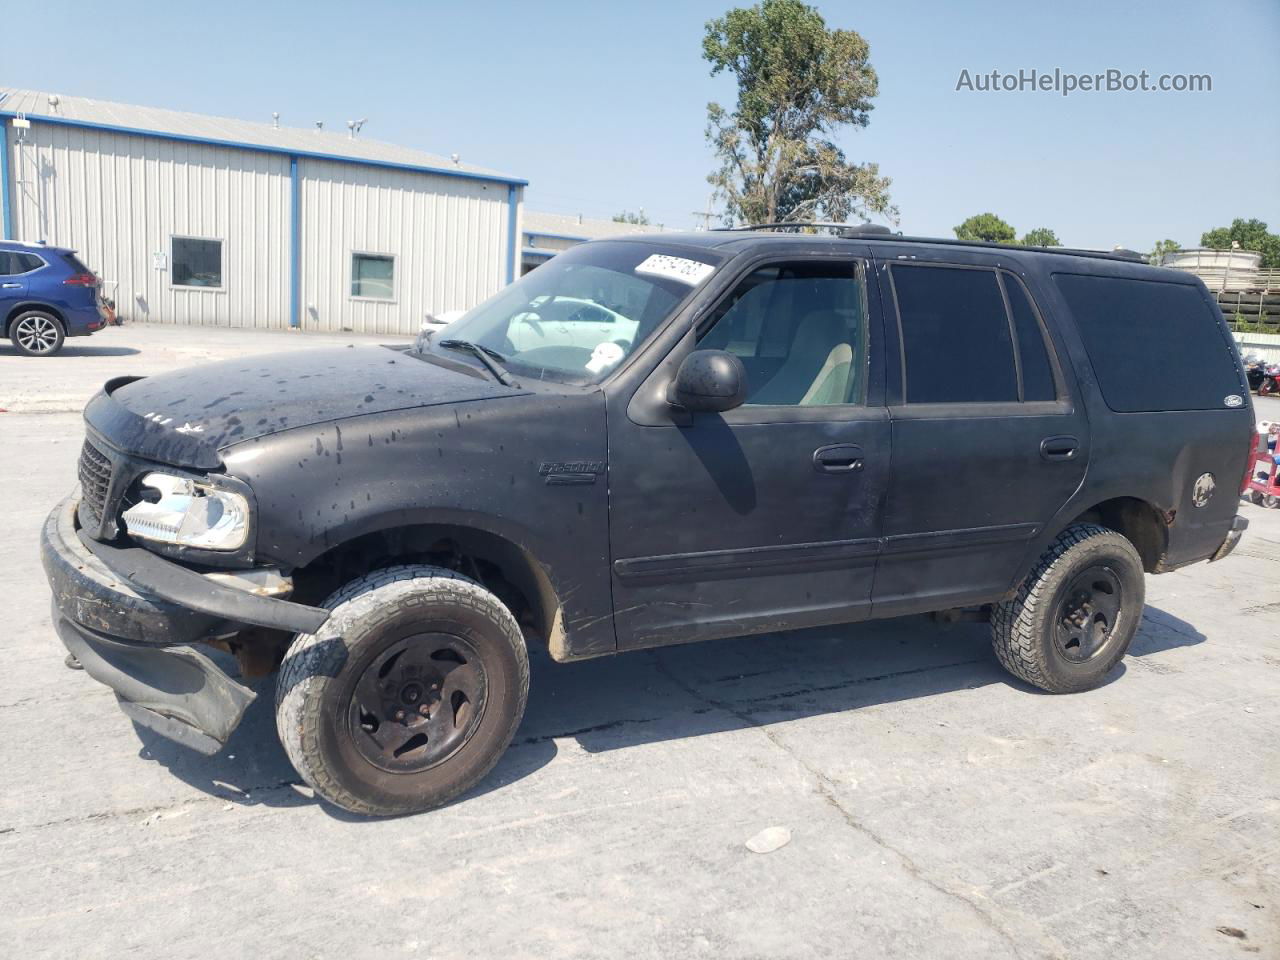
point(27, 324)
point(311, 703)
point(1021, 628)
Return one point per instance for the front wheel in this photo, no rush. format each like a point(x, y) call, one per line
point(1073, 617)
point(407, 696)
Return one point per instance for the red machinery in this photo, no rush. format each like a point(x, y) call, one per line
point(1263, 485)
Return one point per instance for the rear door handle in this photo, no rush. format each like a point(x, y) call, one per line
point(1059, 448)
point(10, 286)
point(838, 458)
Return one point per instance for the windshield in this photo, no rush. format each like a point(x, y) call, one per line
point(576, 317)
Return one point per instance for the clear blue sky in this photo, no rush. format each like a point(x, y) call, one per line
point(601, 105)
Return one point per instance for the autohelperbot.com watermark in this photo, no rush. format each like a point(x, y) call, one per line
point(1065, 82)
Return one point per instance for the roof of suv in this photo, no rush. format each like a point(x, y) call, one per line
point(28, 245)
point(738, 239)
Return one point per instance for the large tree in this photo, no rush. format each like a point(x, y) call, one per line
point(1040, 237)
point(1251, 235)
point(1160, 249)
point(986, 228)
point(799, 83)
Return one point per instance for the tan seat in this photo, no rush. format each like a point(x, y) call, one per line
point(818, 367)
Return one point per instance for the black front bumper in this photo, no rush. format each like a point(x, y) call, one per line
point(132, 618)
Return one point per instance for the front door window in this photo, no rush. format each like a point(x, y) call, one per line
point(800, 330)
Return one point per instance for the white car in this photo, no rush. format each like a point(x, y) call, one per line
point(569, 321)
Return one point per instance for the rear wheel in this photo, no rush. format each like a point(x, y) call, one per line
point(36, 333)
point(407, 696)
point(1074, 616)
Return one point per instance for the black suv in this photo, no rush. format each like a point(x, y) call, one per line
point(643, 442)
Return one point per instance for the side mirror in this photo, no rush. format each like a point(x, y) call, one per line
point(709, 381)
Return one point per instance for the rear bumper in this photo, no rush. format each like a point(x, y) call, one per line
point(1238, 526)
point(80, 321)
point(133, 620)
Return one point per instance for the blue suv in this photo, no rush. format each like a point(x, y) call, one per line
point(46, 295)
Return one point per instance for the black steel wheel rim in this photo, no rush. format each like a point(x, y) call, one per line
point(1087, 614)
point(417, 702)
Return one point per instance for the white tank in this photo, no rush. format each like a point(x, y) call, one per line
point(1219, 269)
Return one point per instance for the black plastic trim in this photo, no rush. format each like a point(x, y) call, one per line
point(176, 691)
point(933, 542)
point(187, 588)
point(714, 564)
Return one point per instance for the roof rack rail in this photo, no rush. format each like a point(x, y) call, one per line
point(847, 230)
point(875, 231)
point(1119, 253)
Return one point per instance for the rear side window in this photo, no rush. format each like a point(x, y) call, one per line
point(955, 336)
point(75, 263)
point(16, 264)
point(1037, 374)
point(1153, 345)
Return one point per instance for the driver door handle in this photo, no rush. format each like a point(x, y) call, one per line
point(838, 458)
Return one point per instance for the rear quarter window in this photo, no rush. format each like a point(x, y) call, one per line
point(75, 263)
point(1153, 345)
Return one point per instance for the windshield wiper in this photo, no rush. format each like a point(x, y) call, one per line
point(491, 359)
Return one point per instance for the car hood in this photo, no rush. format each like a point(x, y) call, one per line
point(186, 417)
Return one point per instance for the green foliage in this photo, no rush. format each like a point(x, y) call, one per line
point(1251, 235)
point(986, 228)
point(1160, 249)
point(1242, 324)
point(626, 216)
point(1040, 237)
point(798, 84)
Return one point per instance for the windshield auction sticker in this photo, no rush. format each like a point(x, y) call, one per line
point(676, 268)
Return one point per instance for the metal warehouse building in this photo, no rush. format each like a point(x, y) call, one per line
point(546, 234)
point(192, 219)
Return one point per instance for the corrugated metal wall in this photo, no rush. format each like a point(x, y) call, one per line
point(448, 237)
point(119, 198)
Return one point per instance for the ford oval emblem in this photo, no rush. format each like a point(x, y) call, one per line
point(1234, 400)
point(1203, 489)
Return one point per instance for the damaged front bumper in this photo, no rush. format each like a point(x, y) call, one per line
point(131, 618)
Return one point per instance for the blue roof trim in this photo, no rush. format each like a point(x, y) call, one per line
point(295, 245)
point(513, 208)
point(556, 236)
point(261, 148)
point(539, 252)
point(6, 215)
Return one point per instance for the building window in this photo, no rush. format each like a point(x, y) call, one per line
point(373, 276)
point(197, 262)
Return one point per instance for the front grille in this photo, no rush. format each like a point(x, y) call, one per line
point(95, 479)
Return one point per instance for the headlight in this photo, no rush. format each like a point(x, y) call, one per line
point(190, 513)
